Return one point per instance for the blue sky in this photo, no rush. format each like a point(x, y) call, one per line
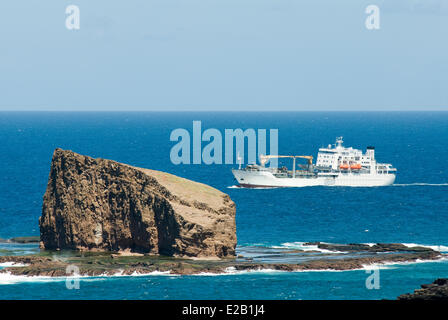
point(224, 55)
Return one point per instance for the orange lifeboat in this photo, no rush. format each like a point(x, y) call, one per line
point(344, 166)
point(356, 166)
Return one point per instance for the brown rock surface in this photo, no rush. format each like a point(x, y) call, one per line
point(438, 290)
point(97, 204)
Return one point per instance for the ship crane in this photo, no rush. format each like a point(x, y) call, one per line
point(266, 158)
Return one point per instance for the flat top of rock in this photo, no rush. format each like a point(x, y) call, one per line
point(192, 192)
point(187, 189)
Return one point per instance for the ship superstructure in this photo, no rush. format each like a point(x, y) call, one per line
point(336, 165)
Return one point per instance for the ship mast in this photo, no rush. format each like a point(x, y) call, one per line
point(239, 160)
point(339, 141)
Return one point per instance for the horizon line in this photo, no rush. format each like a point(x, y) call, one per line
point(220, 110)
point(429, 109)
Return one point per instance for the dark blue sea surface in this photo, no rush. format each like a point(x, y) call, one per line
point(414, 210)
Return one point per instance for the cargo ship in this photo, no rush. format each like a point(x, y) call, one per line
point(336, 165)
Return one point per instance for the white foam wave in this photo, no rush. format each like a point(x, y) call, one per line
point(120, 273)
point(234, 271)
point(379, 266)
point(389, 265)
point(274, 271)
point(153, 273)
point(241, 187)
point(382, 266)
point(8, 278)
point(370, 244)
point(302, 246)
point(12, 264)
point(440, 248)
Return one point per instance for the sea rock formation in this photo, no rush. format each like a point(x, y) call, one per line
point(98, 204)
point(438, 290)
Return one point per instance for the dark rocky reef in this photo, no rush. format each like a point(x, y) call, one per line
point(48, 263)
point(378, 247)
point(31, 239)
point(103, 205)
point(438, 290)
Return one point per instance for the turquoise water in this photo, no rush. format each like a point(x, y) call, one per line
point(412, 211)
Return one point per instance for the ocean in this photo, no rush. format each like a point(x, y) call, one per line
point(413, 210)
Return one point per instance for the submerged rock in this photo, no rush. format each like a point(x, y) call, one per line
point(30, 239)
point(98, 204)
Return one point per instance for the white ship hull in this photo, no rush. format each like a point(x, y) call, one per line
point(267, 179)
point(335, 166)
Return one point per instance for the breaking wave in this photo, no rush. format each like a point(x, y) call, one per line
point(240, 187)
point(390, 265)
point(234, 271)
point(8, 278)
point(301, 246)
point(11, 264)
point(439, 248)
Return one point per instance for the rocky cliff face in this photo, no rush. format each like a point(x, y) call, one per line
point(97, 204)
